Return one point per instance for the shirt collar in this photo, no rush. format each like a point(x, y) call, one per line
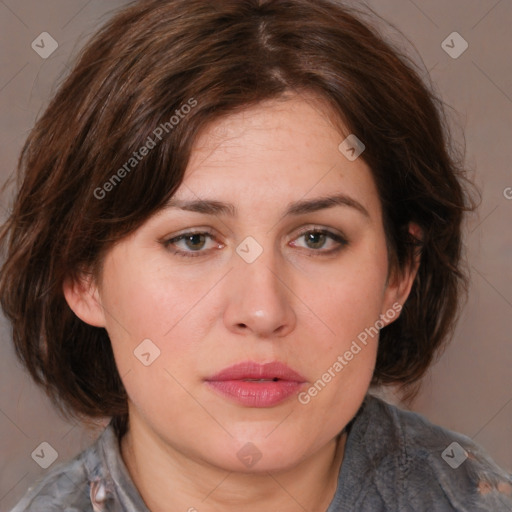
point(111, 489)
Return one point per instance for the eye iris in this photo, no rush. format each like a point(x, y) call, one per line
point(313, 236)
point(195, 237)
point(315, 239)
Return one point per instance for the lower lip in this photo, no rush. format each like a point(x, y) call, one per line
point(256, 394)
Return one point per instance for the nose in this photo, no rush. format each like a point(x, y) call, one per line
point(259, 299)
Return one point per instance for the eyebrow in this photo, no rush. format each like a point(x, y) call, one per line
point(212, 207)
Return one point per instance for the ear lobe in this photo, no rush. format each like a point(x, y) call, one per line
point(399, 290)
point(83, 298)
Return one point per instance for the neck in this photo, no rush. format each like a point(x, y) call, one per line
point(168, 480)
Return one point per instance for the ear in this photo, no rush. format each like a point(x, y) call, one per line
point(82, 296)
point(400, 284)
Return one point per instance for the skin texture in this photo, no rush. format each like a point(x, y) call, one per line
point(295, 303)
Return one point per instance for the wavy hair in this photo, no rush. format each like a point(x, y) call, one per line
point(137, 72)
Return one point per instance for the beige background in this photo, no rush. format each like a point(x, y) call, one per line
point(469, 390)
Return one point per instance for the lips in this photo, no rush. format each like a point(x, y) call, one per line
point(273, 371)
point(257, 385)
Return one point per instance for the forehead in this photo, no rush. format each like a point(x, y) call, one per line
point(275, 153)
point(289, 125)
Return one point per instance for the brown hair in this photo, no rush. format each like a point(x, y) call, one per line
point(138, 72)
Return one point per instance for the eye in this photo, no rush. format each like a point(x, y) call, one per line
point(194, 243)
point(316, 239)
point(193, 240)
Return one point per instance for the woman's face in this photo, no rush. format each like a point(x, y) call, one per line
point(255, 283)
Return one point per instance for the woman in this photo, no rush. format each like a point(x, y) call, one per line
point(235, 218)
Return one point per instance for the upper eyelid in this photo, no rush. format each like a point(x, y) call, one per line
point(311, 226)
point(308, 229)
point(209, 232)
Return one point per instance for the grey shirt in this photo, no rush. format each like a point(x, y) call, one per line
point(394, 460)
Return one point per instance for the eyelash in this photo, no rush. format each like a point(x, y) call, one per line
point(195, 254)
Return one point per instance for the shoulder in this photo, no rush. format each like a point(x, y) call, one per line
point(66, 486)
point(437, 464)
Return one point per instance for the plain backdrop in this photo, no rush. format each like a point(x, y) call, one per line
point(469, 389)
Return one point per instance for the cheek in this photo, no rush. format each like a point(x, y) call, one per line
point(348, 309)
point(149, 313)
point(352, 296)
point(145, 299)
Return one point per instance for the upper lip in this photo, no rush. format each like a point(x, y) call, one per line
point(252, 370)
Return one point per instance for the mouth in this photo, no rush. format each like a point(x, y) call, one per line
point(275, 379)
point(257, 385)
point(251, 371)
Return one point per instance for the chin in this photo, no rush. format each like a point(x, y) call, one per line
point(259, 456)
